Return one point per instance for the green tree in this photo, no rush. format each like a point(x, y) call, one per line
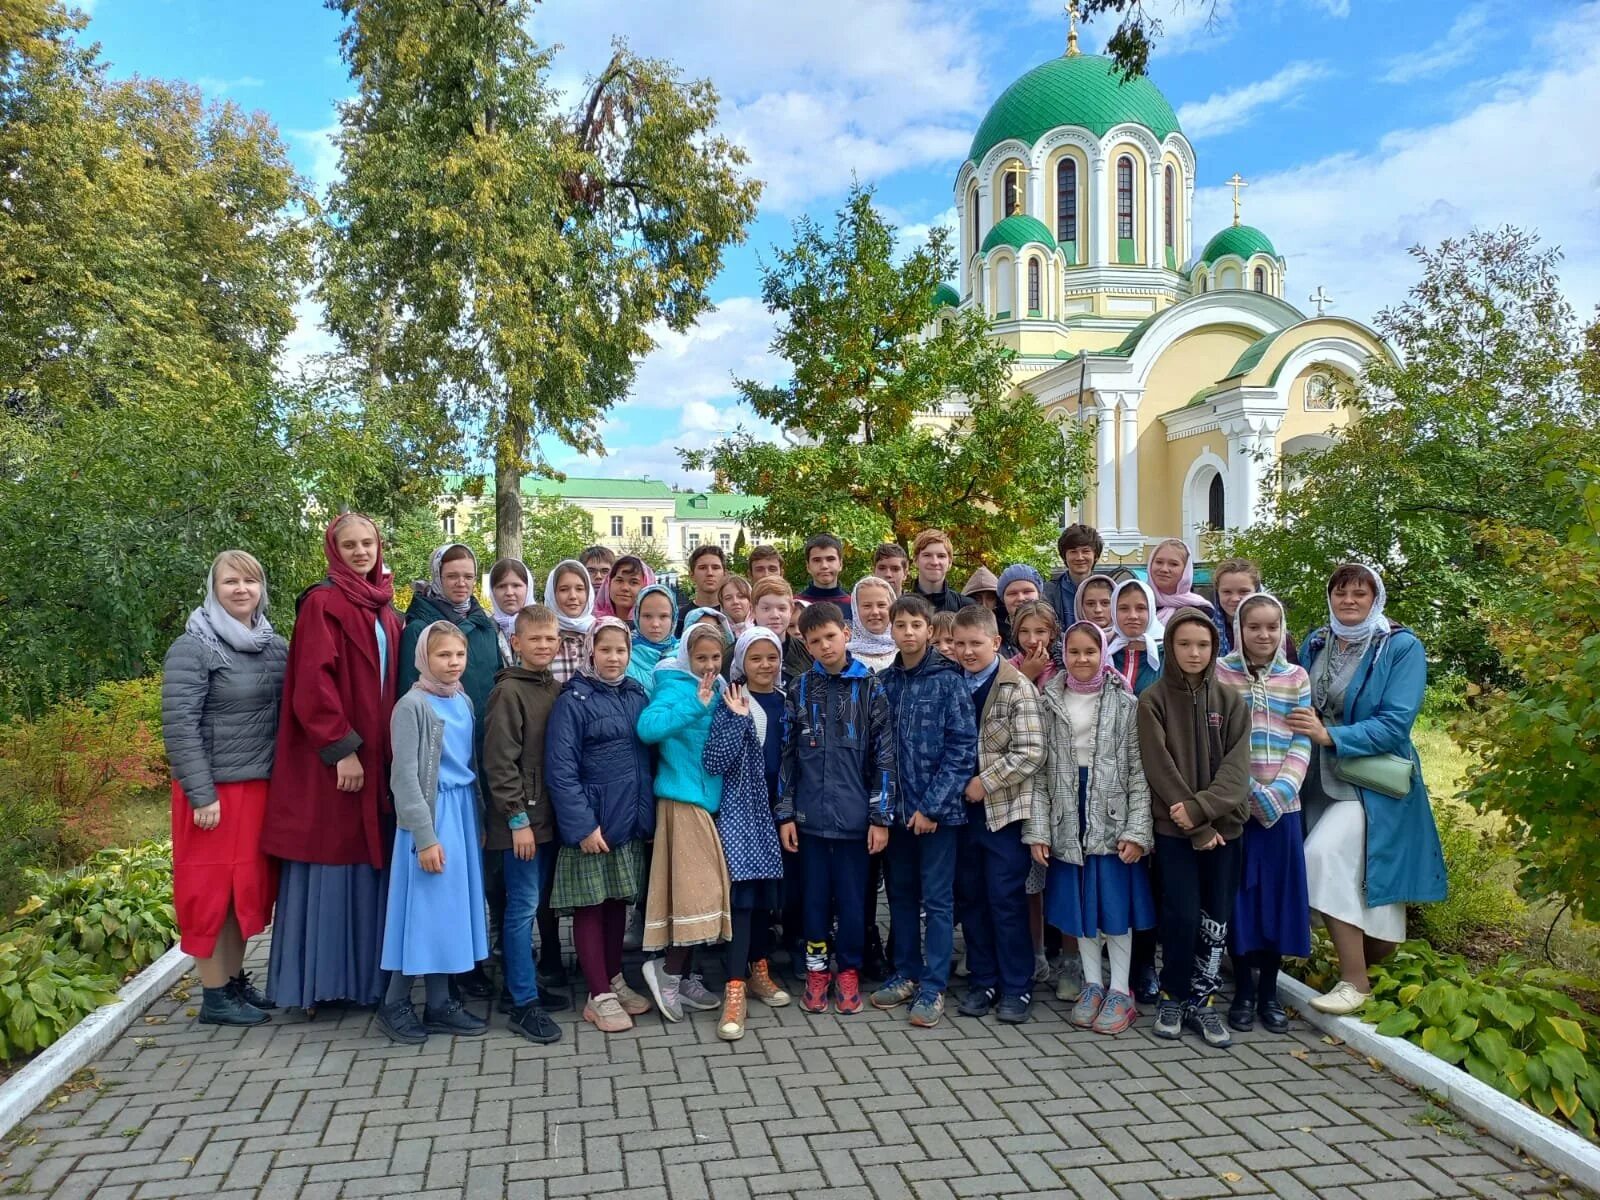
point(1486, 398)
point(897, 425)
point(491, 253)
point(648, 550)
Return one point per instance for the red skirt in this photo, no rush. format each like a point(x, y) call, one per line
point(213, 869)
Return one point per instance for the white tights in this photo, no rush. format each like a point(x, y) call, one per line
point(1121, 947)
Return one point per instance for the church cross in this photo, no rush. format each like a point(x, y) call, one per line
point(1320, 298)
point(1071, 9)
point(1236, 183)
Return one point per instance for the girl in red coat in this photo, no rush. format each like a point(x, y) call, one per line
point(329, 817)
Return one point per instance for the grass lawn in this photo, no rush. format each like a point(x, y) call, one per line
point(149, 818)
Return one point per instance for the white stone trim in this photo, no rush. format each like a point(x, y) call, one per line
point(1206, 462)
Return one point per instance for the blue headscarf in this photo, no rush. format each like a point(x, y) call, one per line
point(646, 654)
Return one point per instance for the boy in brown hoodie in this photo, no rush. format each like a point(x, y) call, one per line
point(1194, 738)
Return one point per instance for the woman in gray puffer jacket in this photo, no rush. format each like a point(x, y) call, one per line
point(221, 690)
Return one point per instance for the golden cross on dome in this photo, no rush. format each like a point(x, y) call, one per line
point(1071, 9)
point(1236, 183)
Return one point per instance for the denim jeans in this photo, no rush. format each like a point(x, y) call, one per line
point(525, 883)
point(922, 880)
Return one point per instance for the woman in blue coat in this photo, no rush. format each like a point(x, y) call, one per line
point(1373, 846)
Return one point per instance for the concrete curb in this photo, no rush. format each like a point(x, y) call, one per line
point(1513, 1123)
point(87, 1040)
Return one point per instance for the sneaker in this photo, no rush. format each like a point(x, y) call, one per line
point(453, 1019)
point(1041, 969)
point(552, 976)
point(1342, 1000)
point(1069, 983)
point(1242, 1013)
point(249, 993)
point(1146, 984)
point(533, 1023)
point(734, 1005)
point(632, 1002)
point(1273, 1018)
point(979, 1002)
point(847, 992)
point(633, 936)
point(1014, 1010)
point(1169, 1017)
point(897, 991)
point(1119, 1012)
point(818, 985)
point(224, 1006)
point(764, 988)
point(662, 986)
point(693, 993)
point(1204, 1019)
point(605, 1014)
point(549, 1001)
point(1087, 1009)
point(400, 1025)
point(926, 1009)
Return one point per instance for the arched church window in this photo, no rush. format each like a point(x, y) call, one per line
point(1202, 283)
point(1067, 207)
point(1319, 394)
point(1169, 187)
point(1033, 287)
point(1124, 198)
point(1012, 203)
point(972, 201)
point(1216, 504)
point(1261, 279)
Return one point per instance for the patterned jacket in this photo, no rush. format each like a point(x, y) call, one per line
point(1119, 797)
point(745, 822)
point(936, 739)
point(1011, 750)
point(838, 773)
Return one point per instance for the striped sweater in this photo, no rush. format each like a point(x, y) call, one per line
point(1278, 757)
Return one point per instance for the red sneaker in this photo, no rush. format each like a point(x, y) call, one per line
point(816, 998)
point(847, 992)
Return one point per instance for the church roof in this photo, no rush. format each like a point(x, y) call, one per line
point(1018, 230)
point(1243, 240)
point(945, 296)
point(1253, 354)
point(1084, 90)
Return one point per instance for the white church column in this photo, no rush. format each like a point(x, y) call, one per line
point(1128, 483)
point(1105, 514)
point(1251, 439)
point(1186, 251)
point(984, 213)
point(1035, 200)
point(1153, 208)
point(1099, 242)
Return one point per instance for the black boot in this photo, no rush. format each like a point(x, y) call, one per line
point(476, 983)
point(222, 1006)
point(399, 1023)
point(248, 992)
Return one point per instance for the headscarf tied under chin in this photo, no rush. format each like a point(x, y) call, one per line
point(507, 621)
point(217, 628)
point(603, 607)
point(1153, 633)
point(1092, 686)
point(584, 621)
point(684, 661)
point(747, 639)
point(1184, 595)
point(599, 626)
point(426, 679)
point(1238, 659)
point(862, 639)
point(436, 577)
point(647, 654)
point(372, 591)
point(1375, 622)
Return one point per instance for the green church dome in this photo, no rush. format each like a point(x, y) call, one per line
point(945, 296)
point(1243, 240)
point(1085, 90)
point(1018, 230)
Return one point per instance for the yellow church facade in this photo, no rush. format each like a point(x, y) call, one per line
point(1076, 242)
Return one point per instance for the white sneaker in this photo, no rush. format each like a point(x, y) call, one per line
point(663, 987)
point(1069, 983)
point(1343, 1000)
point(693, 993)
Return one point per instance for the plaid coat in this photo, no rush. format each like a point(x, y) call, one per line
point(1011, 751)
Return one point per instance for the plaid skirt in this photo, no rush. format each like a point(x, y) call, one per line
point(583, 879)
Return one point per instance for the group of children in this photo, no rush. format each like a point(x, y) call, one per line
point(1108, 760)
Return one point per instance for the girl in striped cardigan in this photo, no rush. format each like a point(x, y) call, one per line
point(1272, 917)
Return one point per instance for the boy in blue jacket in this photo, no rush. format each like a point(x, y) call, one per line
point(936, 743)
point(835, 799)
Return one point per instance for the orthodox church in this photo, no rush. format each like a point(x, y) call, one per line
point(1074, 211)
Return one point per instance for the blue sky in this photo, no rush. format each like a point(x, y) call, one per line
point(1362, 126)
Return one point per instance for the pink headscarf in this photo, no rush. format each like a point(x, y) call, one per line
point(600, 626)
point(426, 679)
point(1168, 603)
point(602, 595)
point(1093, 686)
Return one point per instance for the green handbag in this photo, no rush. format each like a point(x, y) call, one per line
point(1389, 774)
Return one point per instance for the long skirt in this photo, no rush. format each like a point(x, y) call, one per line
point(436, 923)
point(688, 903)
point(1336, 873)
point(1104, 895)
point(213, 869)
point(1272, 912)
point(328, 935)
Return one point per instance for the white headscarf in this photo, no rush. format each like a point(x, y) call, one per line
point(216, 627)
point(1375, 622)
point(507, 621)
point(756, 633)
point(1153, 633)
point(584, 621)
point(862, 639)
point(683, 659)
point(436, 576)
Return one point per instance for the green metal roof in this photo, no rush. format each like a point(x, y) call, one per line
point(1126, 346)
point(1018, 230)
point(1253, 353)
point(1243, 240)
point(945, 296)
point(1204, 394)
point(1086, 90)
point(575, 487)
point(714, 506)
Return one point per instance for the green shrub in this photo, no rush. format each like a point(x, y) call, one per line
point(1482, 871)
point(30, 834)
point(1445, 696)
point(1510, 1025)
point(44, 991)
point(116, 909)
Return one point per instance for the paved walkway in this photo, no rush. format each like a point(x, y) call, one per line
point(803, 1106)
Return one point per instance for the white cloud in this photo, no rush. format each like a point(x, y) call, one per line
point(912, 235)
point(213, 86)
point(1334, 8)
point(1227, 111)
point(1185, 24)
point(308, 338)
point(1452, 50)
point(1514, 156)
point(323, 150)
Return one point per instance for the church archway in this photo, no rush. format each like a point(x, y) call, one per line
point(1205, 498)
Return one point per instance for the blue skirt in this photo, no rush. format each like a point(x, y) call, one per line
point(1104, 895)
point(1272, 912)
point(327, 935)
point(436, 923)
